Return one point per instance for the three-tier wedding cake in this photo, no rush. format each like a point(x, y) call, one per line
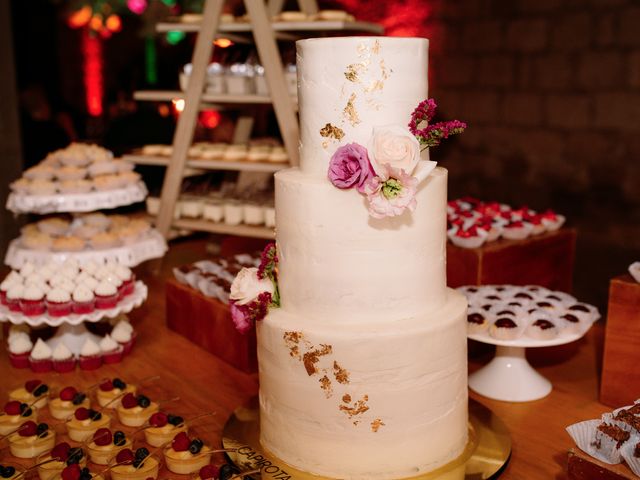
point(363, 369)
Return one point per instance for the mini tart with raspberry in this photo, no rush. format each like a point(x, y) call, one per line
point(109, 390)
point(185, 455)
point(76, 472)
point(163, 428)
point(15, 414)
point(32, 440)
point(85, 422)
point(134, 411)
point(51, 464)
point(34, 393)
point(135, 466)
point(65, 405)
point(106, 444)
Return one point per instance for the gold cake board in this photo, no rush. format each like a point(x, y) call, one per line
point(484, 457)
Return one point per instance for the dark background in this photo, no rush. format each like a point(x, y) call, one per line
point(550, 89)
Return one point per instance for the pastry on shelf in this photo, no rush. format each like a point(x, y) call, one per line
point(85, 422)
point(186, 455)
point(31, 439)
point(16, 413)
point(105, 445)
point(51, 464)
point(34, 393)
point(138, 465)
point(135, 410)
point(110, 392)
point(69, 399)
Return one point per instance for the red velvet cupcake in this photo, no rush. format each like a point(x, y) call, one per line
point(58, 302)
point(19, 348)
point(128, 279)
point(63, 360)
point(112, 351)
point(106, 295)
point(123, 334)
point(14, 295)
point(32, 301)
point(84, 301)
point(40, 358)
point(90, 355)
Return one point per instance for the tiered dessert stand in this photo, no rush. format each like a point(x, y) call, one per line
point(72, 328)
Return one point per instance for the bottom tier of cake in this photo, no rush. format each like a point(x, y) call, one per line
point(382, 401)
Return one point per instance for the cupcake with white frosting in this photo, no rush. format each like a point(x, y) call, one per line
point(83, 299)
point(63, 360)
point(58, 302)
point(128, 279)
point(40, 358)
point(32, 301)
point(112, 351)
point(6, 284)
point(124, 334)
point(90, 355)
point(19, 348)
point(106, 295)
point(27, 269)
point(13, 297)
point(90, 267)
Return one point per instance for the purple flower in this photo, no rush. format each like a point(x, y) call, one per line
point(349, 166)
point(240, 317)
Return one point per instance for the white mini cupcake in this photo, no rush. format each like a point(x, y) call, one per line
point(477, 321)
point(90, 355)
point(40, 358)
point(63, 360)
point(505, 328)
point(542, 329)
point(19, 347)
point(111, 350)
point(106, 295)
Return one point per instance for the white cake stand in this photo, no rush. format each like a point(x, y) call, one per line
point(153, 245)
point(77, 202)
point(509, 376)
point(72, 328)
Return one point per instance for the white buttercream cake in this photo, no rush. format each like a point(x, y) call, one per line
point(363, 369)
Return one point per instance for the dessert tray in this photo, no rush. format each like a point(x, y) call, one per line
point(513, 323)
point(152, 245)
point(485, 456)
point(127, 304)
point(78, 202)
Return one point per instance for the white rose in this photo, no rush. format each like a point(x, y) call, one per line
point(247, 286)
point(393, 145)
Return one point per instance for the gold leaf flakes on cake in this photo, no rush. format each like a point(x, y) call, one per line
point(375, 49)
point(291, 340)
point(325, 384)
point(350, 111)
point(346, 398)
point(342, 376)
point(331, 131)
point(375, 85)
point(384, 70)
point(358, 407)
point(376, 424)
point(312, 357)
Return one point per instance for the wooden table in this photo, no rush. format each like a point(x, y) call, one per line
point(206, 384)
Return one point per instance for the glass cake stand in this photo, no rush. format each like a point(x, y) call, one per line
point(509, 376)
point(485, 455)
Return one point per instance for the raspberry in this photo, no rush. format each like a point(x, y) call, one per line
point(81, 413)
point(158, 419)
point(12, 408)
point(31, 385)
point(181, 442)
point(125, 457)
point(72, 472)
point(209, 472)
point(106, 386)
point(28, 429)
point(61, 451)
point(67, 394)
point(102, 437)
point(129, 401)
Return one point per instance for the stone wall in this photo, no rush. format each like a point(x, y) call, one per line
point(551, 92)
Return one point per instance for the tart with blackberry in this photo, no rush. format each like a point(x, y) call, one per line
point(76, 472)
point(85, 422)
point(50, 465)
point(135, 410)
point(186, 455)
point(31, 439)
point(34, 393)
point(69, 399)
point(110, 392)
point(138, 465)
point(106, 444)
point(163, 428)
point(16, 413)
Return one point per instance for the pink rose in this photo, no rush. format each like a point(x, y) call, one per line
point(349, 166)
point(391, 193)
point(395, 146)
point(240, 317)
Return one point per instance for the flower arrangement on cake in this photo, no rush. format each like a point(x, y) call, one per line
point(254, 291)
point(389, 169)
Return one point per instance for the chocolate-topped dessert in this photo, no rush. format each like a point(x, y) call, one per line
point(505, 312)
point(543, 324)
point(629, 418)
point(523, 295)
point(578, 308)
point(475, 318)
point(614, 432)
point(505, 322)
point(570, 318)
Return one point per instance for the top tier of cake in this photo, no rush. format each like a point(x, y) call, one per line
point(347, 85)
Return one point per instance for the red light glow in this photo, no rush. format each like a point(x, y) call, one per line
point(113, 23)
point(80, 18)
point(223, 42)
point(92, 69)
point(210, 118)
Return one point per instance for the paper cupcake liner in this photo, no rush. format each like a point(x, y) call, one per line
point(470, 242)
point(516, 233)
point(609, 418)
point(64, 366)
point(505, 334)
point(40, 366)
point(608, 448)
point(90, 362)
point(19, 360)
point(537, 333)
point(628, 454)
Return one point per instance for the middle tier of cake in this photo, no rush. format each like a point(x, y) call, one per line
point(386, 400)
point(336, 261)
